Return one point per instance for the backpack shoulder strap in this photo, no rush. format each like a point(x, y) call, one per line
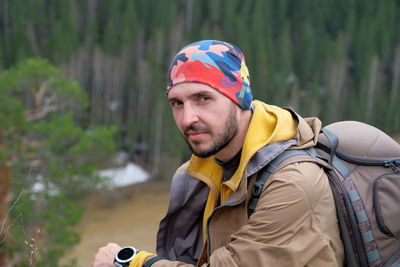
point(276, 164)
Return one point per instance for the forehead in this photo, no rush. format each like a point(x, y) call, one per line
point(184, 89)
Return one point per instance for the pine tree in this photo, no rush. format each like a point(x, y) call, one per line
point(52, 159)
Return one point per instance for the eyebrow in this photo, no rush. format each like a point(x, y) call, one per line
point(172, 99)
point(200, 93)
point(204, 92)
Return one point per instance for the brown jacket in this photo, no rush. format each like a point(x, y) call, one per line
point(294, 223)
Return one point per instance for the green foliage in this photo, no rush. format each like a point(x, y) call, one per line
point(314, 55)
point(52, 158)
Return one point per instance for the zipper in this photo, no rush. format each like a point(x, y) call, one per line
point(361, 161)
point(394, 165)
point(376, 202)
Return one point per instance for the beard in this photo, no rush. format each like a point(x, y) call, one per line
point(221, 139)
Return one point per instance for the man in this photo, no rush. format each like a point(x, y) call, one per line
point(232, 139)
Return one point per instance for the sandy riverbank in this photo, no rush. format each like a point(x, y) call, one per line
point(130, 219)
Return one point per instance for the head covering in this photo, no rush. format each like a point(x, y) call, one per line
point(218, 64)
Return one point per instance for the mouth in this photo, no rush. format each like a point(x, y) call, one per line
point(194, 133)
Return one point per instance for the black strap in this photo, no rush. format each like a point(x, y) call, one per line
point(256, 191)
point(266, 172)
point(150, 262)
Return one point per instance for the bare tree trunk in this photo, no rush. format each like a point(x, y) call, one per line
point(32, 37)
point(143, 90)
point(294, 91)
point(108, 84)
point(337, 76)
point(157, 138)
point(89, 47)
point(176, 37)
point(78, 67)
point(6, 29)
point(5, 183)
point(394, 92)
point(189, 15)
point(126, 63)
point(96, 98)
point(373, 84)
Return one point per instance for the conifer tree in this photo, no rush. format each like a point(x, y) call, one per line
point(52, 159)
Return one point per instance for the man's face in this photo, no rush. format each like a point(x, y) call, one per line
point(206, 118)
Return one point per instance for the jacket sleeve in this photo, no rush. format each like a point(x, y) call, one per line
point(294, 224)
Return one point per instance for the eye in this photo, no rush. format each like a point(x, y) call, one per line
point(176, 103)
point(204, 98)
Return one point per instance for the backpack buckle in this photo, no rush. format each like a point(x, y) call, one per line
point(257, 188)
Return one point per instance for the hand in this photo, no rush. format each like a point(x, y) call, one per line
point(105, 256)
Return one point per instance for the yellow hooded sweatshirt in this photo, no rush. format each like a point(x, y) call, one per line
point(268, 124)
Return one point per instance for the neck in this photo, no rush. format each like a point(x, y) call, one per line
point(229, 167)
point(237, 142)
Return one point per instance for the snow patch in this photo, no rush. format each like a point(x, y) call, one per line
point(128, 175)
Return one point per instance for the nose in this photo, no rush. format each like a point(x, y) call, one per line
point(189, 117)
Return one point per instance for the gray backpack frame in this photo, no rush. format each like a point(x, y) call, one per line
point(363, 167)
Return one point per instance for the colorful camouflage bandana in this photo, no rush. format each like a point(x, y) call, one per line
point(217, 64)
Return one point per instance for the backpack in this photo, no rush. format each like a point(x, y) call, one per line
point(363, 167)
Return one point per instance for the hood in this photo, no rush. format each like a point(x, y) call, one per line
point(307, 130)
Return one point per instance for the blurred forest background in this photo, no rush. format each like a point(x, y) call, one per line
point(81, 79)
